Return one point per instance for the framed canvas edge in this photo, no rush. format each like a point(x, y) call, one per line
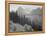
point(7, 15)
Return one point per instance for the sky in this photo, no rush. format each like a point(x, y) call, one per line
point(14, 7)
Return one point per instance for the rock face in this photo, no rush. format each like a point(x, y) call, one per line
point(11, 26)
point(19, 28)
point(16, 27)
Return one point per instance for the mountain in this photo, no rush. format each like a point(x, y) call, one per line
point(37, 11)
point(20, 11)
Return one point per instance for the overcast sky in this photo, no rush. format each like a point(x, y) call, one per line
point(14, 7)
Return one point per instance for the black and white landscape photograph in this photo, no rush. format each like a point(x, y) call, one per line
point(25, 18)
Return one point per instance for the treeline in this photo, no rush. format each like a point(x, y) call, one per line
point(17, 19)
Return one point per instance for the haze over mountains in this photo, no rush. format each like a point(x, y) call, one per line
point(28, 9)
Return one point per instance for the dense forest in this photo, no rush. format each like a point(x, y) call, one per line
point(17, 19)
